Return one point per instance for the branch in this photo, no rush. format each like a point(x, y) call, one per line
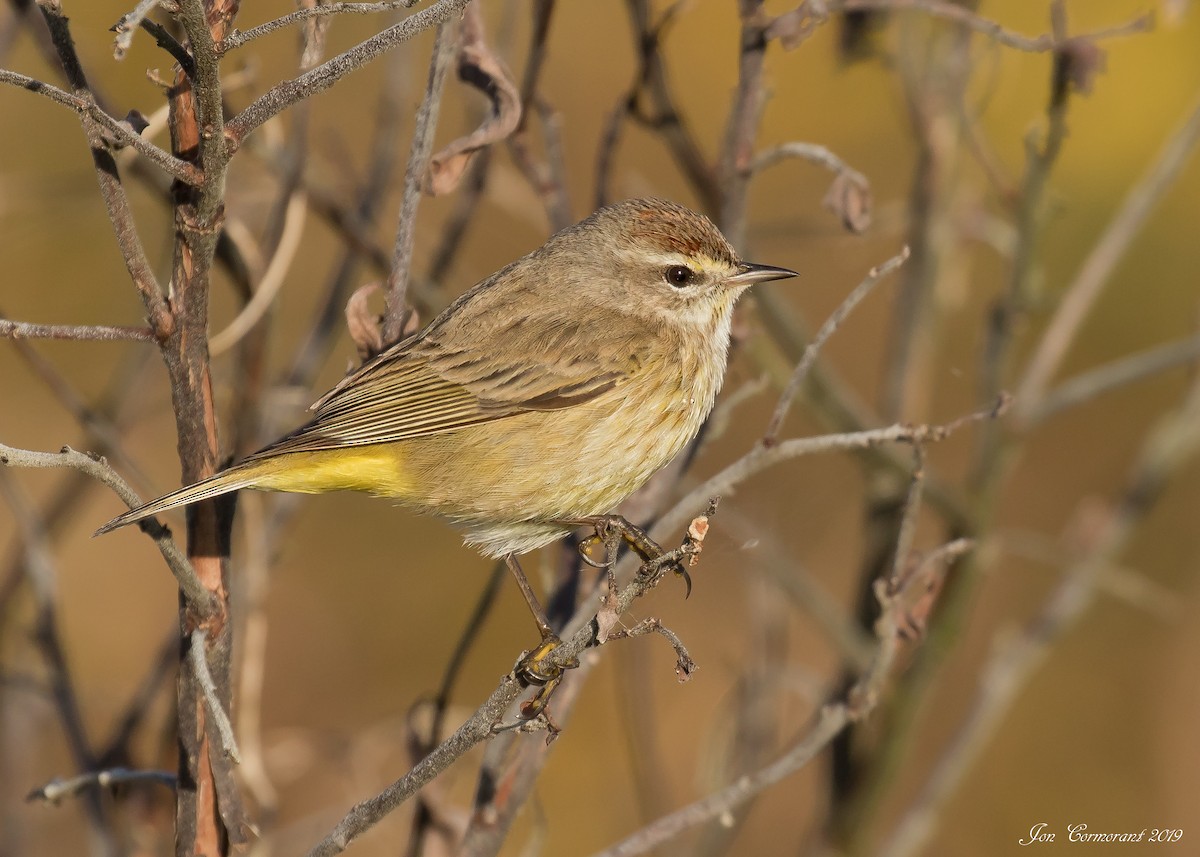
point(55, 790)
point(487, 719)
point(321, 78)
point(1170, 447)
point(398, 311)
point(849, 196)
point(78, 332)
point(762, 457)
point(118, 131)
point(794, 27)
point(874, 276)
point(857, 704)
point(1111, 376)
point(1081, 295)
point(196, 650)
point(161, 320)
point(236, 40)
point(200, 599)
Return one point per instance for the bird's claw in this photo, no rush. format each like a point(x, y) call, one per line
point(585, 547)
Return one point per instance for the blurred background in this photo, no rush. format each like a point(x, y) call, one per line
point(362, 604)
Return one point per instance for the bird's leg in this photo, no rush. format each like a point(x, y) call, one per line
point(654, 557)
point(536, 667)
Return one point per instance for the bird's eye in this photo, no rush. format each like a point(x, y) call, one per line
point(679, 276)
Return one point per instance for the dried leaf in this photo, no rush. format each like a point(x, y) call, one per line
point(1076, 64)
point(849, 197)
point(479, 67)
point(363, 323)
point(792, 28)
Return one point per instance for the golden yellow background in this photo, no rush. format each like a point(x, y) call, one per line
point(366, 601)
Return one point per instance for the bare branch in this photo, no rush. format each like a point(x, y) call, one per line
point(56, 790)
point(120, 132)
point(858, 703)
point(1109, 249)
point(396, 291)
point(874, 276)
point(762, 457)
point(78, 332)
point(272, 279)
point(1013, 663)
point(794, 27)
point(200, 598)
point(236, 40)
point(1111, 376)
point(285, 94)
point(196, 651)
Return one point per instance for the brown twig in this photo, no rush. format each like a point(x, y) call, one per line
point(1108, 250)
point(856, 705)
point(107, 126)
point(800, 374)
point(56, 791)
point(1112, 376)
point(284, 95)
point(396, 290)
point(481, 725)
point(236, 40)
point(189, 584)
point(1175, 442)
point(78, 332)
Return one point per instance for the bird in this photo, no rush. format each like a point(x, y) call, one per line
point(539, 399)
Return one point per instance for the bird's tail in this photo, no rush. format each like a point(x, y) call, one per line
point(232, 479)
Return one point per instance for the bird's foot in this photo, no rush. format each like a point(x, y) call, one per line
point(655, 558)
point(542, 669)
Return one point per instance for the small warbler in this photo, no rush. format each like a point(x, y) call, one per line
point(541, 398)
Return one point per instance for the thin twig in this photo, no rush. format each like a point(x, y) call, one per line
point(761, 457)
point(1108, 250)
point(199, 597)
point(196, 650)
point(874, 276)
point(119, 131)
point(964, 16)
point(284, 95)
point(236, 40)
point(56, 790)
point(1175, 442)
point(272, 279)
point(481, 725)
point(857, 704)
point(128, 25)
point(1112, 376)
point(396, 292)
point(78, 332)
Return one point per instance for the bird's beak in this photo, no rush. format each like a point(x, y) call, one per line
point(748, 274)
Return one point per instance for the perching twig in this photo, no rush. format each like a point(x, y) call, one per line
point(480, 726)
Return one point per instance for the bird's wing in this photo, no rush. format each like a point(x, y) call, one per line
point(444, 382)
